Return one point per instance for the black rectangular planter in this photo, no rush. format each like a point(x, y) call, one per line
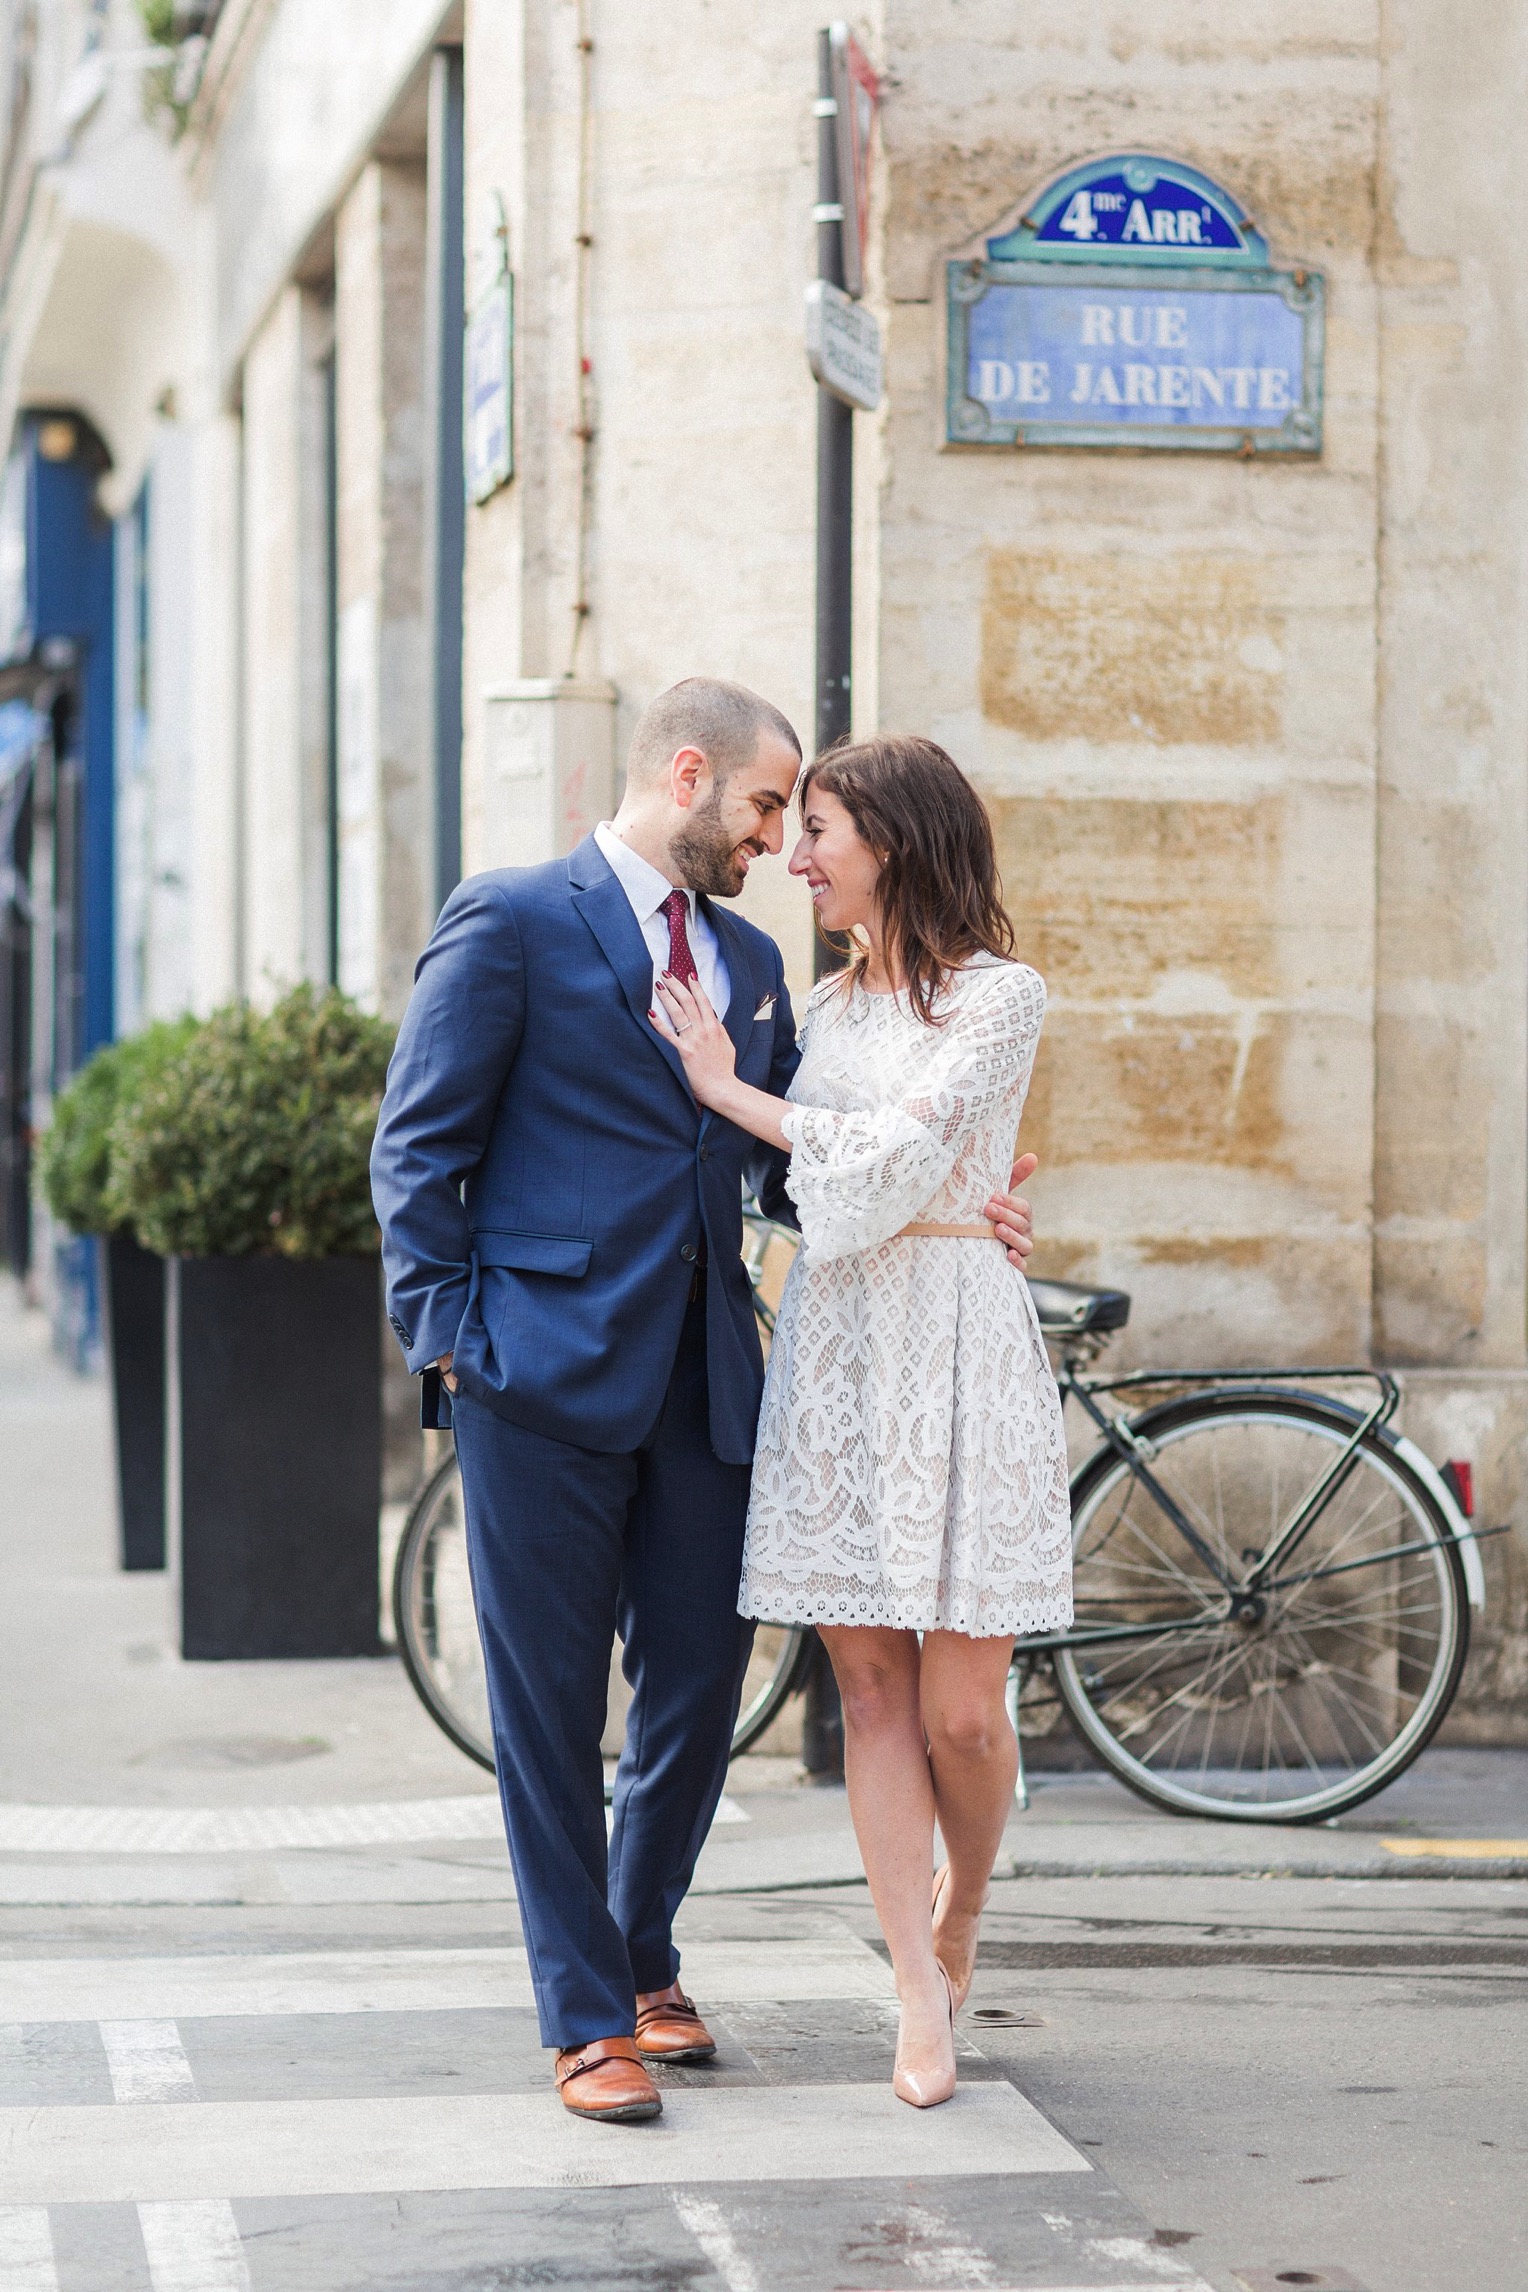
point(275, 1453)
point(132, 1281)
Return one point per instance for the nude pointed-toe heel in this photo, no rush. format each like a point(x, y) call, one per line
point(962, 1989)
point(926, 2088)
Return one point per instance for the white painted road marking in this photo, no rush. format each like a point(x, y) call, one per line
point(237, 1830)
point(501, 2141)
point(26, 2249)
point(935, 2252)
point(242, 1830)
point(147, 2061)
point(707, 2223)
point(193, 2247)
point(403, 1981)
point(727, 1810)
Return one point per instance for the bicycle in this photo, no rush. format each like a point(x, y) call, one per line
point(1272, 1587)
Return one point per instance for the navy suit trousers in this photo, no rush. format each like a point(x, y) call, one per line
point(568, 1546)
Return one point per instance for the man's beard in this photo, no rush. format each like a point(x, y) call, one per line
point(706, 855)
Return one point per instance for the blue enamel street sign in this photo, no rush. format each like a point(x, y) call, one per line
point(1137, 208)
point(1133, 305)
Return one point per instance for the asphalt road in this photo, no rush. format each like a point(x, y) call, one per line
point(1164, 2081)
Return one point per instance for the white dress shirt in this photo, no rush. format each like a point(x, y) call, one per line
point(647, 890)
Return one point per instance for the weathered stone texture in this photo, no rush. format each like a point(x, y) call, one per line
point(284, 888)
point(1161, 670)
point(696, 495)
point(386, 842)
point(1177, 649)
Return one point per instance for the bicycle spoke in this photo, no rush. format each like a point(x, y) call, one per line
point(1171, 1653)
point(1179, 1699)
point(1334, 1552)
point(1145, 1536)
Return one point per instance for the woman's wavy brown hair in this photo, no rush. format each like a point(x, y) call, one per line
point(941, 896)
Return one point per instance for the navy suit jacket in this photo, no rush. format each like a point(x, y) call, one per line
point(542, 1175)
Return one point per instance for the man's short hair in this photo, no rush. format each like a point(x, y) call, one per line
point(724, 721)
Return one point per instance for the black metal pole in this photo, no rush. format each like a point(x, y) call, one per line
point(835, 448)
point(822, 1718)
point(447, 509)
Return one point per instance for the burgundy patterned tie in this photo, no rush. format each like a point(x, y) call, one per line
point(681, 959)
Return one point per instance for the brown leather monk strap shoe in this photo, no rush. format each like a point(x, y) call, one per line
point(606, 2079)
point(669, 2028)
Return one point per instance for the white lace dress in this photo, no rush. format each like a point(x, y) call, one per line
point(911, 1463)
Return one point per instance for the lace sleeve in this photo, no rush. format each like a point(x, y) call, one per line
point(856, 1179)
point(809, 1010)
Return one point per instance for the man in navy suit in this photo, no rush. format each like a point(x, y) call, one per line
point(561, 1230)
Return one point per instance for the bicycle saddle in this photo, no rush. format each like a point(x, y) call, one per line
point(1066, 1307)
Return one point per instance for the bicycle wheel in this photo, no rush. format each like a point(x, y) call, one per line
point(437, 1630)
point(1322, 1690)
point(434, 1617)
point(776, 1670)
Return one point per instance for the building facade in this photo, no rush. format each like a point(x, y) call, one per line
point(1253, 727)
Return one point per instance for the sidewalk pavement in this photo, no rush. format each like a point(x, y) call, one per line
point(265, 2020)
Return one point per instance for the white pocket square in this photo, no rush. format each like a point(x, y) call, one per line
point(766, 1009)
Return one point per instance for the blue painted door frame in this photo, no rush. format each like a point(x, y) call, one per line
point(70, 597)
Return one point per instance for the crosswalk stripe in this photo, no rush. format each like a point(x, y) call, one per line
point(193, 2246)
point(504, 2141)
point(26, 2249)
point(147, 2061)
point(401, 1981)
point(708, 2224)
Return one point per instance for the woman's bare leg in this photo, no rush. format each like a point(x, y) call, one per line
point(891, 1797)
point(974, 1761)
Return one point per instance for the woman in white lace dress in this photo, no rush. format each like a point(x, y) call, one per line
point(910, 1476)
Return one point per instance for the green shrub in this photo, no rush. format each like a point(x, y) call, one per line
point(73, 1159)
point(160, 101)
point(256, 1139)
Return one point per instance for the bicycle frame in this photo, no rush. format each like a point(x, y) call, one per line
point(1138, 1455)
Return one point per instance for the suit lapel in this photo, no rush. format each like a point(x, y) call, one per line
point(606, 909)
point(741, 1003)
point(741, 1000)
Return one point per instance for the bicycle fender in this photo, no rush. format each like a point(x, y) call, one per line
point(1442, 1495)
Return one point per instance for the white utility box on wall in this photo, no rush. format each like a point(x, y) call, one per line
point(548, 767)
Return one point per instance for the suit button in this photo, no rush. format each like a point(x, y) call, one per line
point(705, 1153)
point(689, 1253)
